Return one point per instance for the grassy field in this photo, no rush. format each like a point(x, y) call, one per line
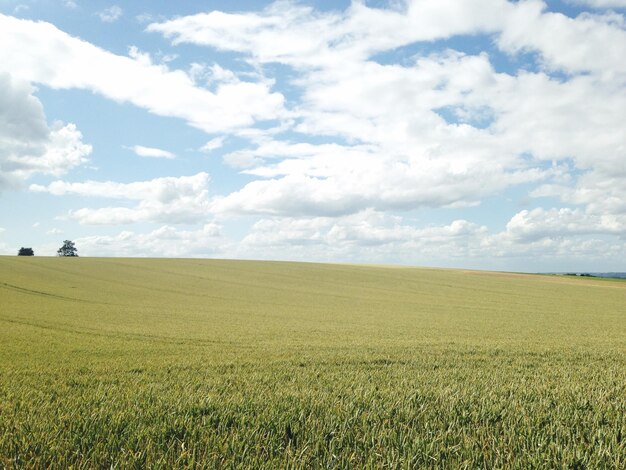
point(162, 363)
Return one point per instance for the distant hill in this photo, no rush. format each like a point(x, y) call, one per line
point(593, 274)
point(612, 275)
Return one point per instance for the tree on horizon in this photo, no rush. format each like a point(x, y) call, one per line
point(68, 249)
point(26, 252)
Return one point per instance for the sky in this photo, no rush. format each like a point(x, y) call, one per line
point(481, 134)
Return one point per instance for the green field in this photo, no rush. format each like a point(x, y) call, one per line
point(210, 363)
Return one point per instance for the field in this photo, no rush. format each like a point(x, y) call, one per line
point(179, 363)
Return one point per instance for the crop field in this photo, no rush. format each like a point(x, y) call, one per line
point(136, 363)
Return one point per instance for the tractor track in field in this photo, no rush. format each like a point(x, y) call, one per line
point(25, 290)
point(120, 335)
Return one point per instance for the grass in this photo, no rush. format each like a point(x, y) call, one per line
point(136, 363)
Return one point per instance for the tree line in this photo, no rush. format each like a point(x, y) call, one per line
point(67, 249)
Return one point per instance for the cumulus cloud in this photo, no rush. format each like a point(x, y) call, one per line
point(442, 130)
point(530, 28)
point(600, 193)
point(378, 185)
point(172, 200)
point(152, 152)
point(111, 14)
point(602, 3)
point(165, 241)
point(532, 240)
point(373, 130)
point(28, 145)
point(290, 33)
point(298, 35)
point(564, 237)
point(365, 228)
point(213, 144)
point(39, 52)
point(539, 223)
point(367, 235)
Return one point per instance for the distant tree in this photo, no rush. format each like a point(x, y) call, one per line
point(26, 252)
point(68, 249)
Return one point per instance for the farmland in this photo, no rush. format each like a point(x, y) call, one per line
point(161, 363)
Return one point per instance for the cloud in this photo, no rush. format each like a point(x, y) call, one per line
point(152, 152)
point(600, 193)
point(602, 3)
point(366, 228)
point(27, 144)
point(39, 52)
point(149, 18)
point(366, 236)
point(530, 28)
point(381, 185)
point(374, 129)
point(165, 241)
point(439, 130)
point(111, 14)
point(172, 200)
point(298, 35)
point(539, 223)
point(536, 240)
point(213, 144)
point(570, 238)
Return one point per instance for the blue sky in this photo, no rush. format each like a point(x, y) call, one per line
point(461, 133)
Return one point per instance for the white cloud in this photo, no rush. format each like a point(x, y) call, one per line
point(371, 135)
point(39, 52)
point(564, 237)
point(602, 3)
point(367, 235)
point(367, 228)
point(213, 144)
point(537, 240)
point(205, 75)
point(399, 172)
point(152, 152)
point(55, 231)
point(27, 144)
point(298, 35)
point(172, 200)
point(561, 223)
point(402, 150)
point(165, 241)
point(598, 193)
point(111, 14)
point(530, 28)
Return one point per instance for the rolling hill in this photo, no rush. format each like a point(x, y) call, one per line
point(144, 362)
